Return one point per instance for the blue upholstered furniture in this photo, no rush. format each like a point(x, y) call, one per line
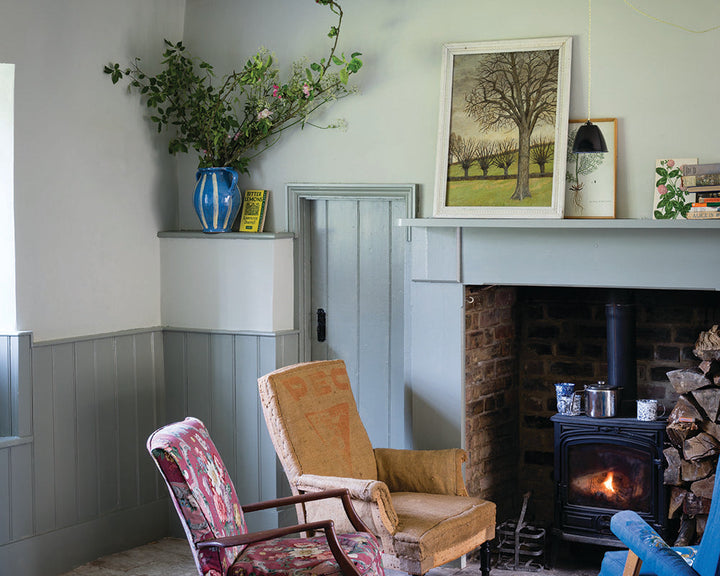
point(649, 554)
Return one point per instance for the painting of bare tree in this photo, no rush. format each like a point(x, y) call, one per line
point(503, 129)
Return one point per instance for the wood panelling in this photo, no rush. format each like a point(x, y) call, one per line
point(213, 377)
point(6, 393)
point(81, 411)
point(95, 402)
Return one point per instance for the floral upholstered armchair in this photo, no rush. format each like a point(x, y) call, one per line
point(649, 555)
point(213, 519)
point(415, 501)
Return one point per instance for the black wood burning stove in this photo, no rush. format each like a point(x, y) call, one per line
point(602, 466)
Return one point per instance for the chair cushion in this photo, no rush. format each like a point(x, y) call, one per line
point(312, 556)
point(314, 422)
point(613, 563)
point(431, 522)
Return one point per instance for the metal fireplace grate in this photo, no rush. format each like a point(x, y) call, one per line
point(520, 546)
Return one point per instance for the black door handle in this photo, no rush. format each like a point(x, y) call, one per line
point(321, 323)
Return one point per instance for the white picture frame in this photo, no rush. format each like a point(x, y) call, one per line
point(472, 121)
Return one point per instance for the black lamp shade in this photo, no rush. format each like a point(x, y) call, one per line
point(589, 139)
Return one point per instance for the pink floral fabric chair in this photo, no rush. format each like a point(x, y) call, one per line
point(205, 499)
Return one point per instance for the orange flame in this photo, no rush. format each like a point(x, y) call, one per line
point(609, 483)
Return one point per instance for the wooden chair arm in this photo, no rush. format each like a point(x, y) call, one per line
point(341, 493)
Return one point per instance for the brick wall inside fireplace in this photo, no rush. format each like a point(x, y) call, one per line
point(520, 341)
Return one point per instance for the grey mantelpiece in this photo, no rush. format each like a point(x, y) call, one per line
point(448, 254)
point(677, 254)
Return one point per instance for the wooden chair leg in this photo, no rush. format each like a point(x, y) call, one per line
point(632, 565)
point(485, 558)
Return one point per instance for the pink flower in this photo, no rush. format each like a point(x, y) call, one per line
point(306, 90)
point(264, 113)
point(671, 163)
point(662, 189)
point(276, 91)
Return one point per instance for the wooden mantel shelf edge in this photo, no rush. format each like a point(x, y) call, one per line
point(560, 224)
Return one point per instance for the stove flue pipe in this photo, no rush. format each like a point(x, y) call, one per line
point(622, 365)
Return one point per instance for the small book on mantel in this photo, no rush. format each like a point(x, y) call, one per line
point(700, 214)
point(254, 208)
point(696, 189)
point(708, 175)
point(699, 169)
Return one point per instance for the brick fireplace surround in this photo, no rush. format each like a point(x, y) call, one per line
point(521, 340)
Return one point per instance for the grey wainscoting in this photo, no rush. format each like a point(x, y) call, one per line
point(213, 377)
point(76, 481)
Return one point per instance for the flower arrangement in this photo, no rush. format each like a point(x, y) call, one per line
point(234, 121)
point(673, 202)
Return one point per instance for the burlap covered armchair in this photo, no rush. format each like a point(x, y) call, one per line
point(415, 501)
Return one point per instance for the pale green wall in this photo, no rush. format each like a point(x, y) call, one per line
point(657, 80)
point(93, 184)
point(8, 314)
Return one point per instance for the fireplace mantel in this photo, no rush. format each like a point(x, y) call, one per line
point(449, 254)
point(624, 253)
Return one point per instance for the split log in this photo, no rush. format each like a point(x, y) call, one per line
point(678, 432)
point(687, 379)
point(709, 339)
point(686, 534)
point(701, 446)
point(711, 428)
point(684, 411)
point(711, 368)
point(677, 499)
point(709, 401)
point(700, 523)
point(672, 472)
point(707, 354)
point(703, 488)
point(695, 505)
point(693, 471)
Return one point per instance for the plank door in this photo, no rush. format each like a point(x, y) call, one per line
point(352, 299)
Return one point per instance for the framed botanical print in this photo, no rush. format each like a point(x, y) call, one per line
point(502, 138)
point(590, 181)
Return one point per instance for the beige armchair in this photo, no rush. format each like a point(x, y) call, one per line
point(414, 501)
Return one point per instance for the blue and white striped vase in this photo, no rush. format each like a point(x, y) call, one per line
point(217, 198)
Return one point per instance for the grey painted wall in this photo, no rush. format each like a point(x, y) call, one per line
point(637, 64)
point(76, 481)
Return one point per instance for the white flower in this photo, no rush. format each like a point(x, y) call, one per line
point(264, 113)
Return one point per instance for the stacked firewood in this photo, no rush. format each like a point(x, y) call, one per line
point(693, 429)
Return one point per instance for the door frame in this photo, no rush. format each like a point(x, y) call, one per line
point(298, 198)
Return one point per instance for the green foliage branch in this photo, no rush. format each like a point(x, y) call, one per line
point(235, 120)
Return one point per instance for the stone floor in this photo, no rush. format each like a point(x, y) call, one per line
point(172, 556)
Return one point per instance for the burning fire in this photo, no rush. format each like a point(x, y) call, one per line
point(608, 484)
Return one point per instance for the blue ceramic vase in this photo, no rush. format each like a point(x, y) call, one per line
point(217, 198)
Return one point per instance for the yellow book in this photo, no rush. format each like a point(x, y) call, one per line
point(254, 208)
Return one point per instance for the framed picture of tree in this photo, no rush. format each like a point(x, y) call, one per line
point(502, 137)
point(590, 178)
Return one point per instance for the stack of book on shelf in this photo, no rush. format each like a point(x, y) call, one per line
point(702, 185)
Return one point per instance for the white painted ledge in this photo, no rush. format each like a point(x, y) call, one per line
point(233, 282)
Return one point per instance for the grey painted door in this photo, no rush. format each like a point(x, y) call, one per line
point(354, 272)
